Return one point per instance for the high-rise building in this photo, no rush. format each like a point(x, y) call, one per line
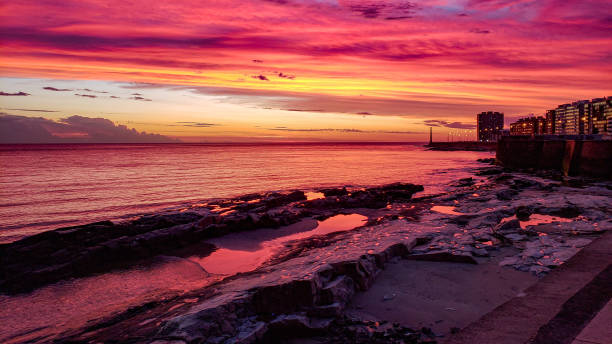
point(529, 126)
point(490, 125)
point(601, 116)
point(550, 121)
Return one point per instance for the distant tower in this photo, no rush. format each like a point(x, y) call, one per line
point(430, 136)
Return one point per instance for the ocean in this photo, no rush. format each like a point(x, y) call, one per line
point(43, 187)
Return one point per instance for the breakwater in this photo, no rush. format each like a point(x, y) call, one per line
point(462, 146)
point(574, 156)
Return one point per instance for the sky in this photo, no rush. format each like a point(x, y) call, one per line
point(291, 70)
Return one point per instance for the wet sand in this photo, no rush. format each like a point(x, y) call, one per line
point(439, 295)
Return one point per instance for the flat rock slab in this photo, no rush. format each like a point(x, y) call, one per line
point(521, 319)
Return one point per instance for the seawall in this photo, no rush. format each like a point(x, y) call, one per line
point(574, 157)
point(462, 145)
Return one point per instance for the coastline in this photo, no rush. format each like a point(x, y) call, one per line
point(468, 225)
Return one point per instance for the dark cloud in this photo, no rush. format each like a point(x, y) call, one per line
point(33, 110)
point(13, 94)
point(399, 18)
point(369, 11)
point(365, 113)
point(305, 110)
point(260, 77)
point(141, 98)
point(94, 91)
point(136, 94)
point(343, 130)
point(90, 42)
point(257, 61)
point(49, 88)
point(480, 31)
point(390, 11)
point(453, 125)
point(114, 97)
point(196, 124)
point(86, 95)
point(286, 76)
point(75, 129)
point(278, 2)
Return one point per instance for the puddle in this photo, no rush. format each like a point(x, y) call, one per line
point(72, 303)
point(313, 195)
point(445, 209)
point(242, 252)
point(538, 219)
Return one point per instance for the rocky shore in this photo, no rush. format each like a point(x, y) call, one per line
point(98, 247)
point(538, 219)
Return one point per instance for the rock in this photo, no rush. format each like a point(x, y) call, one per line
point(462, 220)
point(503, 177)
point(480, 252)
point(510, 261)
point(568, 211)
point(522, 213)
point(489, 172)
point(251, 332)
point(506, 225)
point(334, 192)
point(327, 311)
point(515, 237)
point(538, 269)
point(487, 160)
point(524, 183)
point(507, 194)
point(339, 291)
point(463, 182)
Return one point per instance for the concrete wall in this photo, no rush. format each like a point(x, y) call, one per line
point(572, 157)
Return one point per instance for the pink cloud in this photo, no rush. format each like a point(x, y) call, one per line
point(473, 51)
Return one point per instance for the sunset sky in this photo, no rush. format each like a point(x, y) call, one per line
point(293, 70)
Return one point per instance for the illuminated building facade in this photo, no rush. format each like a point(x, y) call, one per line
point(582, 117)
point(529, 126)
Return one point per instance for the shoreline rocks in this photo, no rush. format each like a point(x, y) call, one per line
point(103, 246)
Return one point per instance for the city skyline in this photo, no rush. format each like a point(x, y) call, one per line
point(297, 70)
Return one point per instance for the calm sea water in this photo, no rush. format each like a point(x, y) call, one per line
point(43, 187)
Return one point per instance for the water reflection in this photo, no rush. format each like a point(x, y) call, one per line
point(445, 209)
point(71, 304)
point(539, 219)
point(241, 252)
point(313, 195)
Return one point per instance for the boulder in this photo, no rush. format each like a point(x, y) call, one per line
point(334, 192)
point(522, 213)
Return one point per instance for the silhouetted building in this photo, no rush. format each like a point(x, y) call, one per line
point(550, 121)
point(529, 126)
point(489, 125)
